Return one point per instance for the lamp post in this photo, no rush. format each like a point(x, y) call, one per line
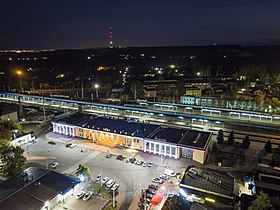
point(101, 171)
point(96, 90)
point(19, 73)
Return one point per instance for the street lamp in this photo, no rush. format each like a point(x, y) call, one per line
point(96, 90)
point(19, 73)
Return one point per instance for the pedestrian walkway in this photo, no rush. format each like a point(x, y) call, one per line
point(174, 168)
point(83, 161)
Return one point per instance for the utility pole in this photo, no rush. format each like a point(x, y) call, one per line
point(114, 199)
point(82, 84)
point(44, 111)
point(101, 171)
point(135, 96)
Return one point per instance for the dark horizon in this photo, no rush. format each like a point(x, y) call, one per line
point(78, 25)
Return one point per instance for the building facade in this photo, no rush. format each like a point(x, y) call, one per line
point(154, 139)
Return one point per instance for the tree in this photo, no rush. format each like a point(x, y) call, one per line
point(262, 202)
point(259, 100)
point(83, 173)
point(268, 146)
point(267, 102)
point(246, 142)
point(231, 138)
point(12, 159)
point(220, 137)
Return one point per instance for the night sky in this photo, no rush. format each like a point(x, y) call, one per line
point(53, 24)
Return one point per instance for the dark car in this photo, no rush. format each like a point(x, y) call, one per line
point(119, 157)
point(68, 145)
point(52, 142)
point(132, 160)
point(152, 186)
point(151, 191)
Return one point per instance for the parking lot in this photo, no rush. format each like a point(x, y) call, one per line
point(132, 178)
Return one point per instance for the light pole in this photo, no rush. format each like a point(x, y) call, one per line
point(19, 73)
point(96, 90)
point(101, 171)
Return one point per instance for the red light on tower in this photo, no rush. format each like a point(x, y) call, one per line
point(111, 37)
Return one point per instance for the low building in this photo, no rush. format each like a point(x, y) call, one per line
point(20, 138)
point(36, 188)
point(193, 91)
point(161, 140)
point(8, 115)
point(206, 185)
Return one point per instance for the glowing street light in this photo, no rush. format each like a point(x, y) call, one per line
point(19, 73)
point(96, 90)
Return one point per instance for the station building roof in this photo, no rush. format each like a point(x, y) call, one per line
point(182, 137)
point(32, 188)
point(75, 119)
point(119, 126)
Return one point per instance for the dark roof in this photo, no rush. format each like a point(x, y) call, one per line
point(208, 179)
point(119, 126)
point(172, 135)
point(75, 119)
point(195, 139)
point(32, 188)
point(182, 137)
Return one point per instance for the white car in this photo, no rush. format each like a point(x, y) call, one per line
point(83, 149)
point(157, 180)
point(115, 187)
point(87, 196)
point(104, 180)
point(80, 195)
point(73, 146)
point(144, 164)
point(54, 165)
point(110, 183)
point(165, 177)
point(98, 177)
point(150, 164)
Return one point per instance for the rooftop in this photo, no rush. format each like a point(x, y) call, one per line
point(119, 126)
point(32, 188)
point(76, 118)
point(205, 179)
point(182, 137)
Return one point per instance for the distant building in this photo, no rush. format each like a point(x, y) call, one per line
point(202, 101)
point(204, 185)
point(8, 115)
point(167, 141)
point(36, 188)
point(193, 91)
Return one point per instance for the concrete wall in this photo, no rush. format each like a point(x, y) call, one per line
point(199, 156)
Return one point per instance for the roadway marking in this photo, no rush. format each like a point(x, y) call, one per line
point(83, 161)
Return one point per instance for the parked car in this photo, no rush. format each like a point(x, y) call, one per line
point(144, 164)
point(115, 187)
point(132, 160)
point(108, 155)
point(150, 164)
point(80, 194)
point(52, 142)
point(151, 191)
point(87, 196)
point(143, 206)
point(83, 149)
point(128, 160)
point(54, 165)
point(149, 195)
point(152, 186)
point(110, 183)
point(157, 180)
point(73, 146)
point(104, 180)
point(164, 177)
point(139, 162)
point(68, 145)
point(119, 157)
point(98, 177)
